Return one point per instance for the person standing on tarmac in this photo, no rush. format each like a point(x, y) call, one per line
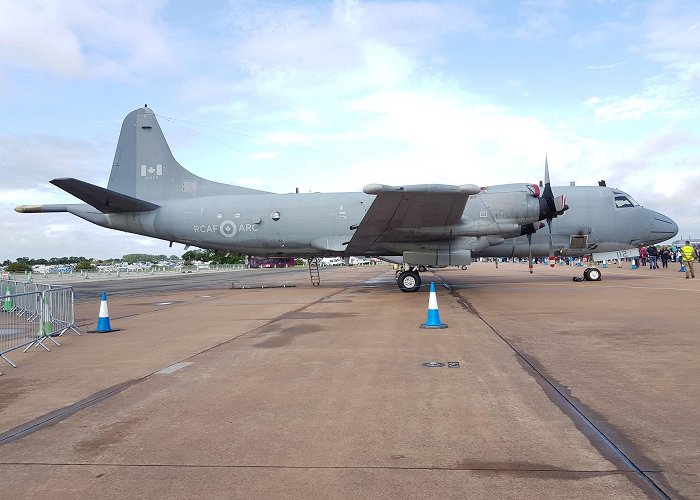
point(643, 256)
point(653, 254)
point(689, 256)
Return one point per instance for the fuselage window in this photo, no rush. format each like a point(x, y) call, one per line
point(623, 202)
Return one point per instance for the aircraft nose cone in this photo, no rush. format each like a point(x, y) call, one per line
point(662, 227)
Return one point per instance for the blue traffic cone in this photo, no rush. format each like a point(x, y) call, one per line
point(605, 264)
point(433, 320)
point(634, 263)
point(682, 267)
point(103, 325)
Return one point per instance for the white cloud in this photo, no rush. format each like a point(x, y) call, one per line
point(605, 66)
point(674, 37)
point(36, 159)
point(332, 96)
point(541, 18)
point(656, 101)
point(83, 38)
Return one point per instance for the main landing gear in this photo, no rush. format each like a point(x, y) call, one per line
point(409, 280)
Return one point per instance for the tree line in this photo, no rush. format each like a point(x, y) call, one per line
point(25, 263)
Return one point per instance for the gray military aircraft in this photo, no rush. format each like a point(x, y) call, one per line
point(424, 225)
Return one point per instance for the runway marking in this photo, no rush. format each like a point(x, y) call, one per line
point(175, 367)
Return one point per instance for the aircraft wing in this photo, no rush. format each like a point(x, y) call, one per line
point(399, 212)
point(104, 200)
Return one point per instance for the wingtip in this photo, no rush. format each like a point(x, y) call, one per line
point(469, 189)
point(373, 188)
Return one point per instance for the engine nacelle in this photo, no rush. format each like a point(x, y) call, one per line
point(509, 204)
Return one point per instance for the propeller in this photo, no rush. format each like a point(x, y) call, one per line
point(527, 230)
point(550, 207)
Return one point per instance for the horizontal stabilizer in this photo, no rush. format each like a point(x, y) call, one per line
point(104, 200)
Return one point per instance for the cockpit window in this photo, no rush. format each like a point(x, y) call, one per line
point(624, 201)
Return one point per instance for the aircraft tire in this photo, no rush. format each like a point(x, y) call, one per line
point(592, 274)
point(421, 269)
point(409, 281)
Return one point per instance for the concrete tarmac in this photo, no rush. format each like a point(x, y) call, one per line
point(564, 389)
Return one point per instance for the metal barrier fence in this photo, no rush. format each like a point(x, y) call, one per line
point(32, 313)
point(17, 287)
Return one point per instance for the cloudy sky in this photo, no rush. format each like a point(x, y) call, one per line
point(334, 95)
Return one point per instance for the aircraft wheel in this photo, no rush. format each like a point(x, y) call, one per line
point(592, 274)
point(409, 281)
point(421, 269)
point(464, 268)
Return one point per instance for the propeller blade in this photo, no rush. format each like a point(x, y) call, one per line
point(551, 207)
point(529, 252)
point(560, 204)
point(554, 207)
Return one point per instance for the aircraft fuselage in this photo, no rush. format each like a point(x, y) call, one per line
point(321, 223)
point(151, 194)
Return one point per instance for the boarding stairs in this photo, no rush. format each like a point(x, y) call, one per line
point(314, 273)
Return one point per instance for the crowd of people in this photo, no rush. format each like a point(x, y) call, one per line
point(685, 255)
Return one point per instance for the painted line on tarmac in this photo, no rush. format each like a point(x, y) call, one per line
point(174, 368)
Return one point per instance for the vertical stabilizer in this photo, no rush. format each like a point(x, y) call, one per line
point(144, 166)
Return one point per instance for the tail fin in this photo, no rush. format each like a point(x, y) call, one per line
point(144, 166)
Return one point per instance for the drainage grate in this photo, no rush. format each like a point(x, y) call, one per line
point(440, 364)
point(246, 286)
